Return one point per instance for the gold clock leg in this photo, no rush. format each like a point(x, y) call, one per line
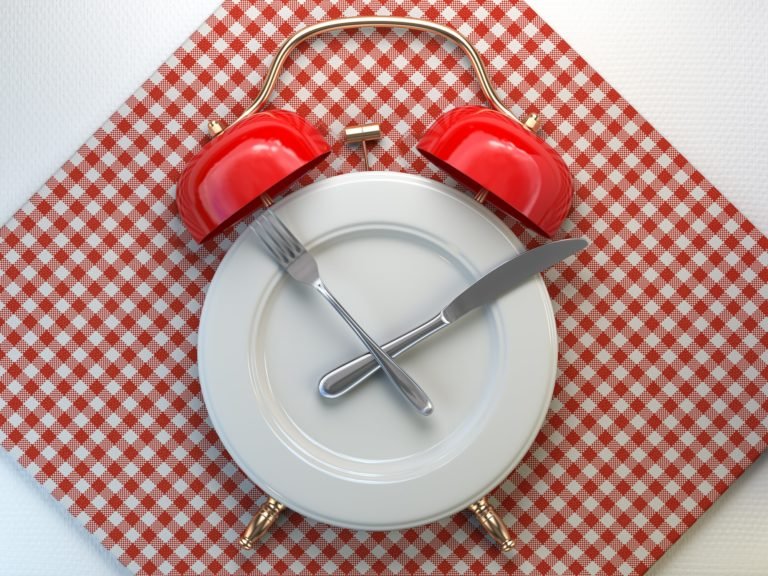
point(261, 522)
point(494, 526)
point(481, 195)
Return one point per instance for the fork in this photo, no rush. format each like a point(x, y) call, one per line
point(291, 255)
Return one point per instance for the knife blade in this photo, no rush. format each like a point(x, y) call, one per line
point(483, 291)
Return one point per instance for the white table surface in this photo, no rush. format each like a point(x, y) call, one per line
point(697, 70)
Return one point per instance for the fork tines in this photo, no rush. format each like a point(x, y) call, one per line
point(278, 239)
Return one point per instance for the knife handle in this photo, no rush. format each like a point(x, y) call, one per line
point(342, 379)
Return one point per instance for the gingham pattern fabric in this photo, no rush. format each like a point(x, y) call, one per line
point(661, 397)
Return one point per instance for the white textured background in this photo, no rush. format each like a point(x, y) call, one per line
point(696, 69)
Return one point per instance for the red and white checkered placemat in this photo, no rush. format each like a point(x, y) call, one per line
point(661, 401)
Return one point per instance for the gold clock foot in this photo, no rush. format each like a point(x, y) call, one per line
point(493, 524)
point(261, 522)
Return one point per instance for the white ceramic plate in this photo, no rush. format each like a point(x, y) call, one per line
point(394, 248)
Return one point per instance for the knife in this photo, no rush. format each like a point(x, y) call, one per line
point(494, 284)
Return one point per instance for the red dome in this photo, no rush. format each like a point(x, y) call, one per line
point(262, 154)
point(484, 149)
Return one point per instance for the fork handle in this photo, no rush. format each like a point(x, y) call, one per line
point(342, 379)
point(407, 386)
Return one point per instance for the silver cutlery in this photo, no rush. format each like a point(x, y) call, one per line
point(291, 255)
point(483, 291)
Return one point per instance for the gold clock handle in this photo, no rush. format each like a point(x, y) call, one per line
point(493, 524)
point(287, 47)
point(261, 522)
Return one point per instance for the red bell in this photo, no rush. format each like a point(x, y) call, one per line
point(262, 154)
point(487, 150)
